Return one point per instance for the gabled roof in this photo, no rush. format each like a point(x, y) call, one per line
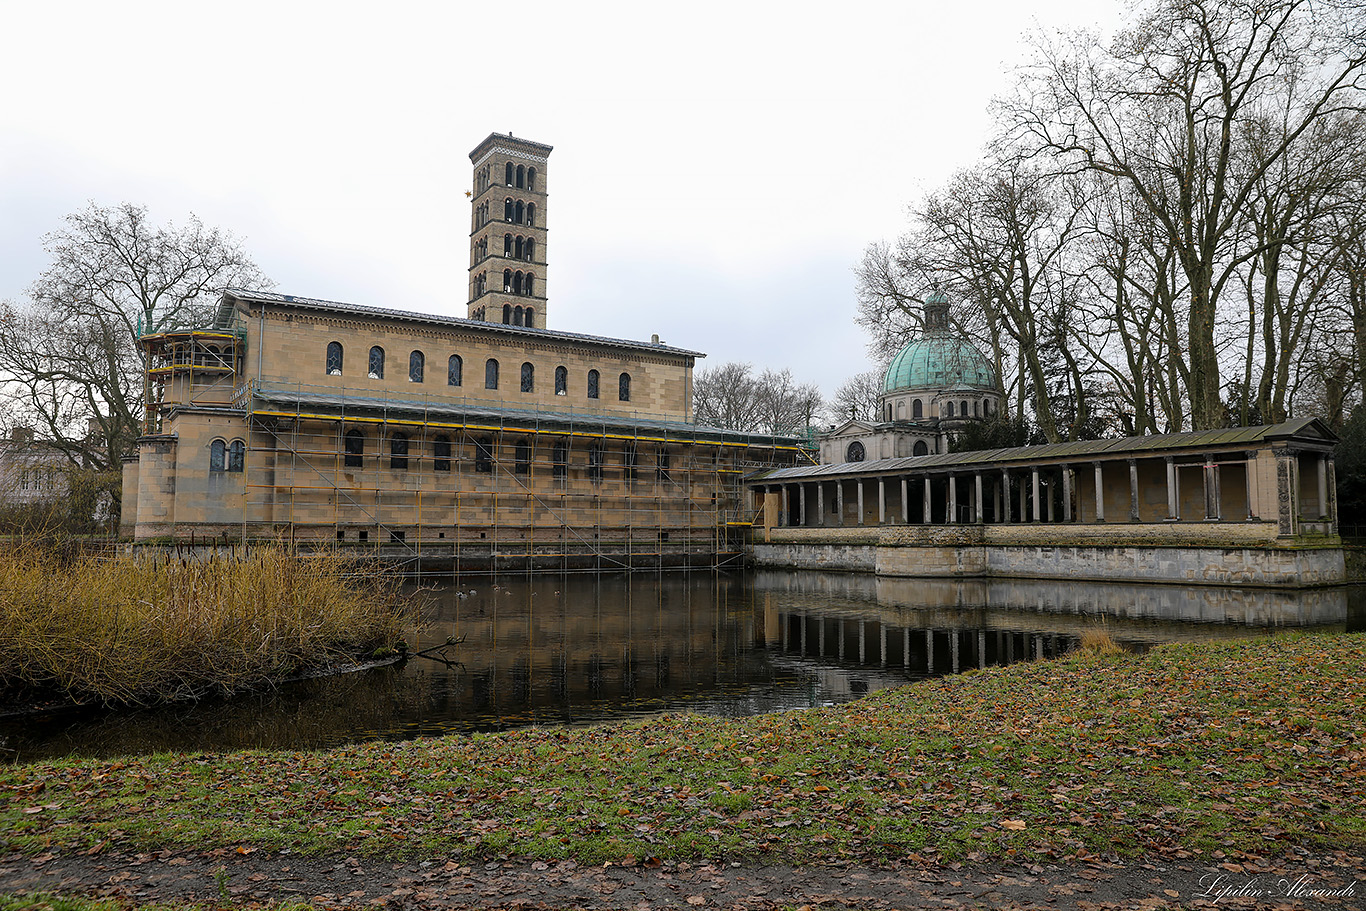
point(857, 424)
point(232, 296)
point(1307, 430)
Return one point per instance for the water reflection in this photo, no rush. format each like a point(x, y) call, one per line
point(584, 649)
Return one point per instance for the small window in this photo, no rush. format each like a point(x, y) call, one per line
point(398, 452)
point(237, 455)
point(355, 449)
point(592, 384)
point(630, 459)
point(531, 214)
point(624, 387)
point(377, 363)
point(521, 212)
point(561, 381)
point(596, 456)
point(560, 459)
point(491, 374)
point(528, 377)
point(483, 455)
point(509, 173)
point(417, 361)
point(963, 408)
point(530, 318)
point(334, 359)
point(441, 453)
point(531, 178)
point(521, 175)
point(976, 412)
point(949, 410)
point(920, 448)
point(507, 244)
point(855, 452)
point(507, 209)
point(455, 369)
point(917, 411)
point(217, 458)
point(523, 456)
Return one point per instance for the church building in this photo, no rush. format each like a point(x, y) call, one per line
point(935, 385)
point(485, 441)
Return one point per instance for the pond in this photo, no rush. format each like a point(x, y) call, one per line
point(584, 649)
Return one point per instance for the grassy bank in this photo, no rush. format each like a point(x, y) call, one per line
point(1248, 746)
point(152, 628)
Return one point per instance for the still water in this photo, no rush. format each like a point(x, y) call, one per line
point(582, 649)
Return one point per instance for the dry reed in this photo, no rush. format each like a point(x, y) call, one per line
point(152, 628)
point(1098, 640)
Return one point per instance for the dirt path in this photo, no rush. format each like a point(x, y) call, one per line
point(245, 876)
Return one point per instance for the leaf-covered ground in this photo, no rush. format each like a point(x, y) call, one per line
point(1209, 752)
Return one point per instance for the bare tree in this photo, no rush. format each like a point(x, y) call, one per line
point(69, 357)
point(1161, 112)
point(857, 398)
point(729, 395)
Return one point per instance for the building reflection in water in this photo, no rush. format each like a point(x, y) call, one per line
point(586, 649)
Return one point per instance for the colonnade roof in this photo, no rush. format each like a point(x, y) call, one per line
point(1309, 432)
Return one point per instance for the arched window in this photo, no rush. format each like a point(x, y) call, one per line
point(491, 374)
point(441, 453)
point(920, 448)
point(528, 377)
point(530, 249)
point(519, 245)
point(976, 412)
point(529, 279)
point(398, 452)
point(517, 316)
point(963, 408)
point(531, 213)
point(592, 384)
point(507, 314)
point(948, 412)
point(521, 212)
point(531, 178)
point(237, 455)
point(517, 282)
point(855, 452)
point(523, 456)
point(507, 281)
point(377, 363)
point(888, 411)
point(530, 318)
point(416, 362)
point(507, 244)
point(455, 369)
point(483, 455)
point(507, 209)
point(218, 456)
point(334, 359)
point(521, 176)
point(355, 449)
point(917, 412)
point(509, 173)
point(560, 459)
point(596, 456)
point(624, 387)
point(561, 381)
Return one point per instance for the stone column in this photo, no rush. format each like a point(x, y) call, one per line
point(979, 513)
point(1211, 494)
point(1133, 490)
point(1323, 485)
point(1036, 513)
point(906, 647)
point(801, 502)
point(1249, 468)
point(1005, 496)
point(1067, 493)
point(929, 651)
point(951, 507)
point(1332, 496)
point(981, 650)
point(862, 641)
point(839, 502)
point(1100, 492)
point(881, 501)
point(1024, 502)
point(1048, 497)
point(1173, 506)
point(1286, 495)
point(882, 644)
point(929, 504)
point(905, 502)
point(820, 504)
point(858, 484)
point(785, 516)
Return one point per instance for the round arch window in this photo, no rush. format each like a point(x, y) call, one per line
point(855, 452)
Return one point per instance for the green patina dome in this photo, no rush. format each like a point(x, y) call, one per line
point(939, 358)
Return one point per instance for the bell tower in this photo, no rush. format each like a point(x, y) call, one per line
point(507, 231)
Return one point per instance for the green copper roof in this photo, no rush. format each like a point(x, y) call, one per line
point(938, 359)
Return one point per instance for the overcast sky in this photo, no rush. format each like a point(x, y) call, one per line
point(718, 167)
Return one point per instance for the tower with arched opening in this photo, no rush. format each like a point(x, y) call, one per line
point(507, 231)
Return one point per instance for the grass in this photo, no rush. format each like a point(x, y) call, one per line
point(1207, 750)
point(150, 628)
